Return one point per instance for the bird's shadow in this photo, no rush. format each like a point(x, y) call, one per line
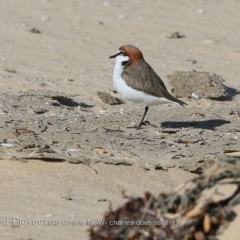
point(69, 102)
point(207, 124)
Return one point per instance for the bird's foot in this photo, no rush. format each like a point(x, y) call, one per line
point(142, 123)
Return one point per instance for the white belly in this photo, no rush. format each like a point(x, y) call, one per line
point(134, 96)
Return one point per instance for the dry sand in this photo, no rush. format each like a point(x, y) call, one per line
point(70, 55)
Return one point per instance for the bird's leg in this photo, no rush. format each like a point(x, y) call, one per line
point(141, 123)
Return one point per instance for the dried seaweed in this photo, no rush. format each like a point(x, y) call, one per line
point(197, 210)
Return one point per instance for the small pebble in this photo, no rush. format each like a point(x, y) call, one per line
point(121, 111)
point(7, 144)
point(209, 41)
point(102, 111)
point(195, 96)
point(39, 110)
point(213, 83)
point(201, 11)
point(121, 16)
point(45, 18)
point(49, 215)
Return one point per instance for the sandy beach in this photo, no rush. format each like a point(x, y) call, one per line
point(54, 57)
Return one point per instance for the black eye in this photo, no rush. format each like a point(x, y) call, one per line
point(121, 53)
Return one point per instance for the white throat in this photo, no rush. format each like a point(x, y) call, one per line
point(118, 69)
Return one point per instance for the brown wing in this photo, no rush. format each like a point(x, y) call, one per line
point(147, 81)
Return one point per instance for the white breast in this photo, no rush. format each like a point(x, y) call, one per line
point(130, 94)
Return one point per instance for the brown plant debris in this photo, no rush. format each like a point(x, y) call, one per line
point(10, 70)
point(17, 131)
point(176, 35)
point(34, 30)
point(199, 209)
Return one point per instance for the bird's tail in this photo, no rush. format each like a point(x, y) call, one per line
point(180, 102)
point(173, 99)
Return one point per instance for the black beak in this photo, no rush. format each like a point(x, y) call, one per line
point(113, 56)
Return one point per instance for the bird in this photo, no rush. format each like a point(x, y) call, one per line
point(137, 82)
